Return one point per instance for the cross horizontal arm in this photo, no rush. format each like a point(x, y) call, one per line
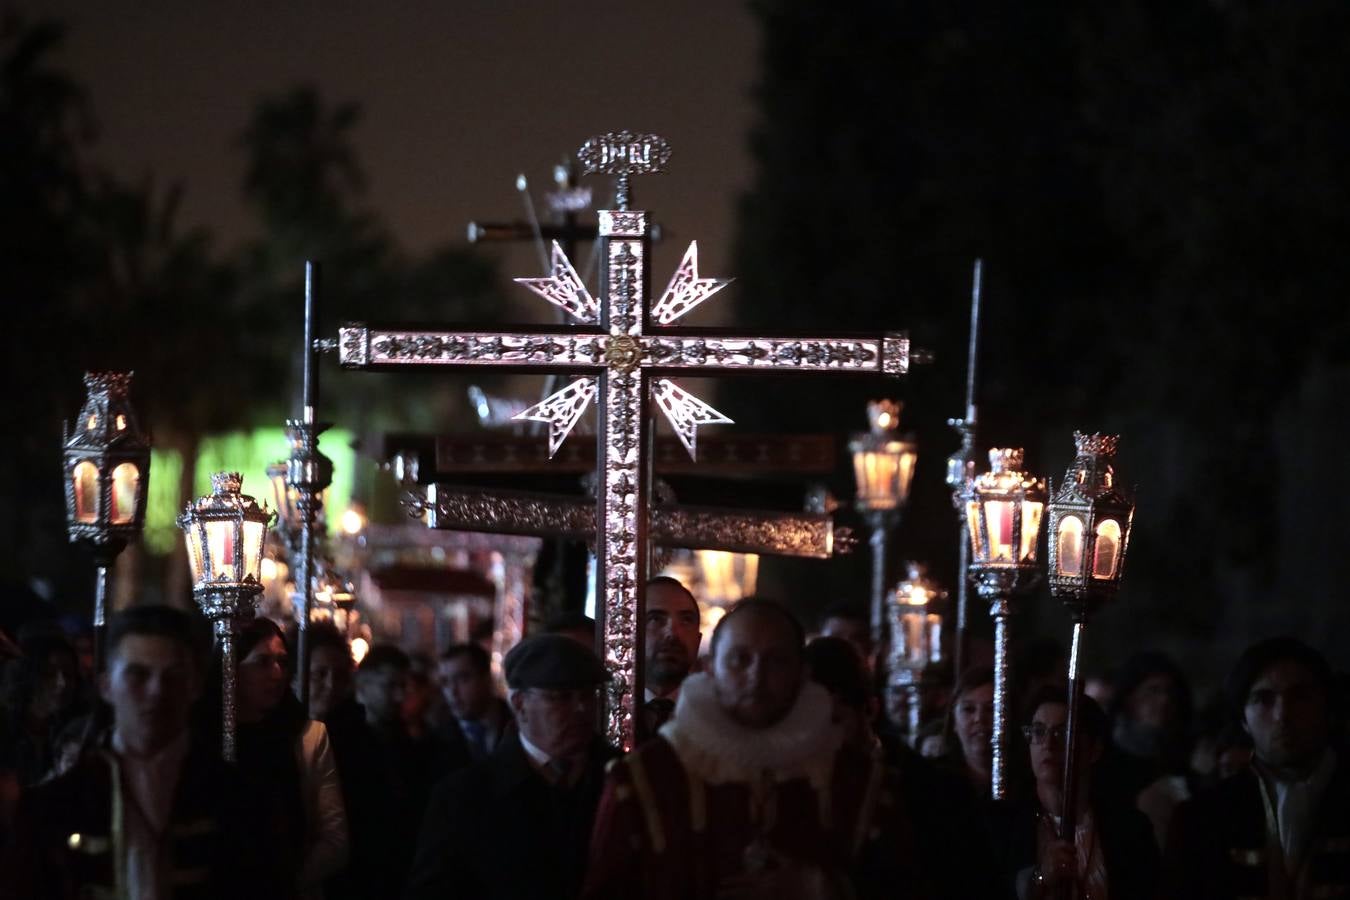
point(887, 355)
point(798, 534)
point(361, 346)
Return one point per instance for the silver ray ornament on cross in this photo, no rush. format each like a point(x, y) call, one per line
point(623, 359)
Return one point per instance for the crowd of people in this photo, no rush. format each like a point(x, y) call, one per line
point(778, 765)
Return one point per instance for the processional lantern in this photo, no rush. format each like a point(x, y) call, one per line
point(226, 531)
point(916, 620)
point(1089, 522)
point(1003, 510)
point(883, 466)
point(107, 472)
point(284, 502)
point(1089, 532)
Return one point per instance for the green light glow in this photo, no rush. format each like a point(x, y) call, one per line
point(249, 453)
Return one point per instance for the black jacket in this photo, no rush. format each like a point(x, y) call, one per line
point(499, 830)
point(951, 826)
point(66, 837)
point(452, 734)
point(1217, 846)
point(1127, 844)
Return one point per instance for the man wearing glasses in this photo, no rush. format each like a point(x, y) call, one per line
point(516, 823)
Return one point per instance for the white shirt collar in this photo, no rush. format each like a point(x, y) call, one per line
point(673, 696)
point(539, 757)
point(1296, 804)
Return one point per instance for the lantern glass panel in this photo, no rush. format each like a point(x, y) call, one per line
point(220, 541)
point(1069, 549)
point(913, 634)
point(85, 477)
point(934, 638)
point(998, 515)
point(1106, 557)
point(126, 481)
point(253, 548)
point(905, 475)
point(976, 534)
point(195, 535)
point(1031, 528)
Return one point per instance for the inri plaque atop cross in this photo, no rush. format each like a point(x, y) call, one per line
point(623, 359)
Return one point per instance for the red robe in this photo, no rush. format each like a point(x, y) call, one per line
point(663, 831)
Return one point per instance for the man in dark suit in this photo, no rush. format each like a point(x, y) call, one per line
point(516, 824)
point(477, 719)
point(1280, 828)
point(150, 812)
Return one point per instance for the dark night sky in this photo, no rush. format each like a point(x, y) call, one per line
point(458, 98)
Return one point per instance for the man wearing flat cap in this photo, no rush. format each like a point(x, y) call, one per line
point(516, 824)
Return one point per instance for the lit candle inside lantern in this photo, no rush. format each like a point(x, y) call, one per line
point(220, 539)
point(1108, 549)
point(999, 514)
point(1069, 552)
point(126, 480)
point(86, 492)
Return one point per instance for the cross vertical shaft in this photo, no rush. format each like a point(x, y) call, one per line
point(623, 459)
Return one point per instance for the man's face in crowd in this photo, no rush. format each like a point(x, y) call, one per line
point(151, 684)
point(757, 668)
point(381, 692)
point(330, 679)
point(467, 691)
point(672, 635)
point(853, 630)
point(1286, 715)
point(559, 721)
point(1153, 703)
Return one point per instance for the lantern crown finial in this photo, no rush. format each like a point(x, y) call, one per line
point(115, 384)
point(1095, 444)
point(1007, 459)
point(883, 416)
point(223, 483)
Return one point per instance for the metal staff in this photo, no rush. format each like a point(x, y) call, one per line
point(961, 471)
point(308, 473)
point(1089, 533)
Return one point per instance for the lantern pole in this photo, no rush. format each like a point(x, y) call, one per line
point(960, 470)
point(309, 472)
point(107, 510)
point(912, 649)
point(226, 590)
point(881, 523)
point(1002, 573)
point(883, 464)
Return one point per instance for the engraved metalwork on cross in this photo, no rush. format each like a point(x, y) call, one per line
point(624, 352)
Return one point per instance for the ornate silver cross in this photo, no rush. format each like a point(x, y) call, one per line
point(623, 368)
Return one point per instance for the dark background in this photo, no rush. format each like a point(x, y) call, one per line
point(1158, 191)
